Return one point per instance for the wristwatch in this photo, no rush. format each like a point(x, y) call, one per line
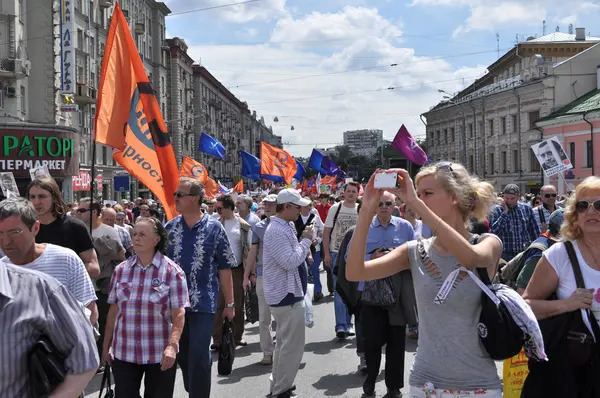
point(230, 305)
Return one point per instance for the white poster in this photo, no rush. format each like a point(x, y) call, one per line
point(8, 185)
point(552, 156)
point(67, 46)
point(39, 172)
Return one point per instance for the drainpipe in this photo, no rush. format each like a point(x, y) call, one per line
point(541, 130)
point(483, 137)
point(592, 139)
point(520, 137)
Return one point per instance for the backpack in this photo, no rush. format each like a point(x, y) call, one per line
point(508, 273)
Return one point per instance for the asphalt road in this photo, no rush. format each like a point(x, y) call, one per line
point(328, 369)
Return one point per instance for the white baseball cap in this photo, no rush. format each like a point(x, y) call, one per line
point(270, 198)
point(290, 195)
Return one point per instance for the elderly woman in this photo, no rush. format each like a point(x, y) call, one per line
point(554, 274)
point(148, 296)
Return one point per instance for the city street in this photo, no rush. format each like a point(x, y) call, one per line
point(328, 369)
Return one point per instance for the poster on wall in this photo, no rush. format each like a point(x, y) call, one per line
point(552, 156)
point(8, 185)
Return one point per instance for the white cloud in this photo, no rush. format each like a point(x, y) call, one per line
point(279, 80)
point(240, 13)
point(491, 15)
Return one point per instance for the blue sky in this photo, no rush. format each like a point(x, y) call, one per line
point(324, 66)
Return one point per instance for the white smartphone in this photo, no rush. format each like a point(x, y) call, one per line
point(386, 180)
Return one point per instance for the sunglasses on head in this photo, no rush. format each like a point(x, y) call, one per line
point(550, 195)
point(583, 205)
point(388, 204)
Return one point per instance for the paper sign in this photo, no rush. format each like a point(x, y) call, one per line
point(552, 156)
point(514, 374)
point(8, 185)
point(39, 172)
point(349, 180)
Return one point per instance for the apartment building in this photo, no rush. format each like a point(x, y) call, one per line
point(364, 142)
point(491, 125)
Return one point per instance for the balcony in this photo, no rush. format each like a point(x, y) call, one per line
point(86, 95)
point(15, 68)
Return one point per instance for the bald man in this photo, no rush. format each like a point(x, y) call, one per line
point(109, 215)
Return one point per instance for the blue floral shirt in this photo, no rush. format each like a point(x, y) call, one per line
point(200, 251)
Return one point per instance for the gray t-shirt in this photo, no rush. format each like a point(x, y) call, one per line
point(450, 354)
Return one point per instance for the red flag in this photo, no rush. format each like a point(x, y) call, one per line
point(137, 132)
point(239, 187)
point(211, 188)
point(193, 169)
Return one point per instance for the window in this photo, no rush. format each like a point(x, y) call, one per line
point(80, 74)
point(516, 161)
point(471, 163)
point(21, 14)
point(503, 168)
point(589, 154)
point(452, 136)
point(92, 11)
point(162, 86)
point(533, 117)
point(503, 125)
point(534, 165)
point(492, 163)
point(482, 162)
point(572, 153)
point(149, 26)
point(445, 136)
point(491, 127)
point(150, 51)
point(78, 5)
point(438, 137)
point(181, 118)
point(104, 155)
point(92, 79)
point(92, 45)
point(23, 99)
point(470, 129)
point(515, 124)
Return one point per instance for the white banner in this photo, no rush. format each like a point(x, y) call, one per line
point(67, 46)
point(8, 185)
point(552, 156)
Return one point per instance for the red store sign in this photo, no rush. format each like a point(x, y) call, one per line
point(83, 181)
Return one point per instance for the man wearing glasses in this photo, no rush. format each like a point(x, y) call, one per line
point(542, 213)
point(199, 244)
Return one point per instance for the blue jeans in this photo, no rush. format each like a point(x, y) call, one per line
point(314, 269)
point(195, 359)
point(343, 320)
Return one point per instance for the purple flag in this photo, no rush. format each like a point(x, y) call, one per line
point(406, 145)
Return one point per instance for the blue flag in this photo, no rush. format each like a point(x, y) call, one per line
point(211, 146)
point(250, 165)
point(301, 171)
point(322, 164)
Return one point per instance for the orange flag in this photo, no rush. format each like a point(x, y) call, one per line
point(211, 188)
point(276, 162)
point(328, 180)
point(193, 169)
point(239, 187)
point(137, 132)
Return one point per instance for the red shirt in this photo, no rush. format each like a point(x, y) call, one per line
point(323, 210)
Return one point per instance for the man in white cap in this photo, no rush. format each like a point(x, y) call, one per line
point(253, 274)
point(285, 279)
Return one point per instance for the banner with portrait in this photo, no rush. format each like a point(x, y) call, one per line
point(552, 156)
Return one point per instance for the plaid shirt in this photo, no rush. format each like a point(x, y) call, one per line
point(516, 229)
point(145, 298)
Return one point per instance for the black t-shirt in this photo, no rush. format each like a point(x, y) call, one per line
point(67, 232)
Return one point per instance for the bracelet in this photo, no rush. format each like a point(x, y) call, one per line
point(437, 226)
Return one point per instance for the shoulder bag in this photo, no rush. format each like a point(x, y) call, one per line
point(379, 293)
point(46, 367)
point(106, 382)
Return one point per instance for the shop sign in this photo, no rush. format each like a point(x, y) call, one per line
point(23, 150)
point(67, 46)
point(83, 181)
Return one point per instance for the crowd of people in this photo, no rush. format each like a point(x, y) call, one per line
point(118, 285)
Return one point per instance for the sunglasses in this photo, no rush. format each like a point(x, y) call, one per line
point(388, 204)
point(583, 205)
point(550, 195)
point(80, 210)
point(182, 195)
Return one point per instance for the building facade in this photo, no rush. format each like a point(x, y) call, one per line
point(364, 142)
point(491, 125)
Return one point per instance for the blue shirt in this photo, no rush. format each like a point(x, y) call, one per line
point(516, 229)
point(258, 234)
point(200, 251)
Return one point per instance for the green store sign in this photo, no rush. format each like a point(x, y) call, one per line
point(37, 146)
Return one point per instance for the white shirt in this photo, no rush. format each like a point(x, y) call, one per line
point(347, 218)
point(559, 259)
point(234, 234)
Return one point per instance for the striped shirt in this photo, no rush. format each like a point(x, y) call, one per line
point(282, 255)
point(145, 297)
point(516, 229)
point(66, 266)
point(32, 304)
point(125, 237)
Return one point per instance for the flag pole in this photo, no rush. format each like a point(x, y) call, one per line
point(92, 183)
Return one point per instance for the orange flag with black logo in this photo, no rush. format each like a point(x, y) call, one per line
point(239, 187)
point(211, 188)
point(193, 169)
point(137, 132)
point(275, 162)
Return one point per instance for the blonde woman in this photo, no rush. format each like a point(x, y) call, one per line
point(450, 360)
point(554, 274)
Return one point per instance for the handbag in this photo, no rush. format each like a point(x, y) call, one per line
point(379, 293)
point(251, 305)
point(46, 367)
point(106, 381)
point(227, 349)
